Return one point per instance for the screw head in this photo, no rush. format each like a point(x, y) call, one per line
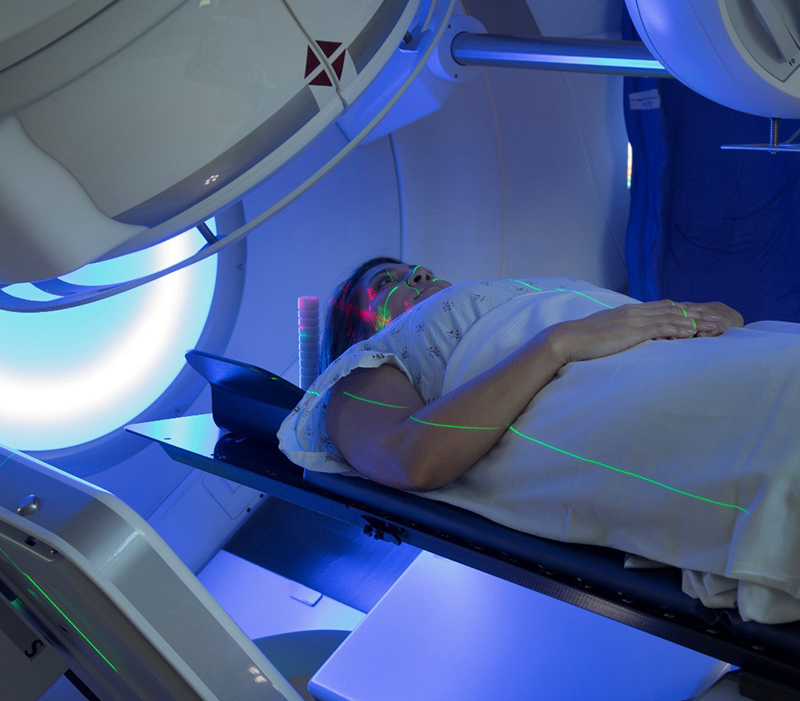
point(29, 505)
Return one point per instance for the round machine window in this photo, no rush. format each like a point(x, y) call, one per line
point(72, 376)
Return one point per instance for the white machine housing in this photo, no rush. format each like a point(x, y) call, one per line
point(108, 593)
point(743, 54)
point(135, 120)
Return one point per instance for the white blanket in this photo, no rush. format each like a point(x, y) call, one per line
point(685, 452)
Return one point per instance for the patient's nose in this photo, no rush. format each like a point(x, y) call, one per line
point(417, 274)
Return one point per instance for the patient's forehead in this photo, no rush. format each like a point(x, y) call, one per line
point(379, 268)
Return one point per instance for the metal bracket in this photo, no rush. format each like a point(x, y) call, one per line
point(773, 146)
point(383, 530)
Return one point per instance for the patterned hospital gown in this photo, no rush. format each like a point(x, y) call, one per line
point(420, 343)
point(685, 452)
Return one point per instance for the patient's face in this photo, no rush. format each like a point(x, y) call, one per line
point(388, 290)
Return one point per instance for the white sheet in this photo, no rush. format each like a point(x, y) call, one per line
point(716, 418)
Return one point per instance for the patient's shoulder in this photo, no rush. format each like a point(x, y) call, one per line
point(365, 411)
point(384, 386)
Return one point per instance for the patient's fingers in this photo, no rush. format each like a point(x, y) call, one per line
point(695, 314)
point(669, 328)
point(692, 309)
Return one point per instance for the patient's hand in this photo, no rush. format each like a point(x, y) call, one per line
point(615, 330)
point(729, 318)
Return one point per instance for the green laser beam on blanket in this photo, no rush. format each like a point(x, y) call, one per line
point(630, 474)
point(602, 304)
point(562, 289)
point(538, 289)
point(550, 447)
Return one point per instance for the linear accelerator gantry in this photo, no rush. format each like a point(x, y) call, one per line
point(136, 120)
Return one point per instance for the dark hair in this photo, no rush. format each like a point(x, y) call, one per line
point(345, 324)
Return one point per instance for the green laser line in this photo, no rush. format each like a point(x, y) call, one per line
point(591, 298)
point(538, 289)
point(631, 474)
point(558, 450)
point(4, 461)
point(370, 401)
point(473, 428)
point(414, 418)
point(55, 605)
point(412, 288)
point(316, 394)
point(551, 447)
point(685, 315)
point(386, 302)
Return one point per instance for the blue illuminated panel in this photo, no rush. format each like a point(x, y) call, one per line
point(73, 375)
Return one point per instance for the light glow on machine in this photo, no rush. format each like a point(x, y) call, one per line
point(74, 375)
point(630, 165)
point(586, 61)
point(57, 608)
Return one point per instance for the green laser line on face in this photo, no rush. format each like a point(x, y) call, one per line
point(550, 447)
point(411, 288)
point(385, 319)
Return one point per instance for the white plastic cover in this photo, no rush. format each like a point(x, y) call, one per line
point(742, 54)
point(154, 119)
point(124, 610)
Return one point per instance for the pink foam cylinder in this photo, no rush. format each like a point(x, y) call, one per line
point(308, 339)
point(308, 303)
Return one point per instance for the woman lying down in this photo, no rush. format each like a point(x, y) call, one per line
point(574, 413)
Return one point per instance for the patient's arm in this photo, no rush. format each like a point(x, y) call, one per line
point(388, 445)
point(397, 445)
